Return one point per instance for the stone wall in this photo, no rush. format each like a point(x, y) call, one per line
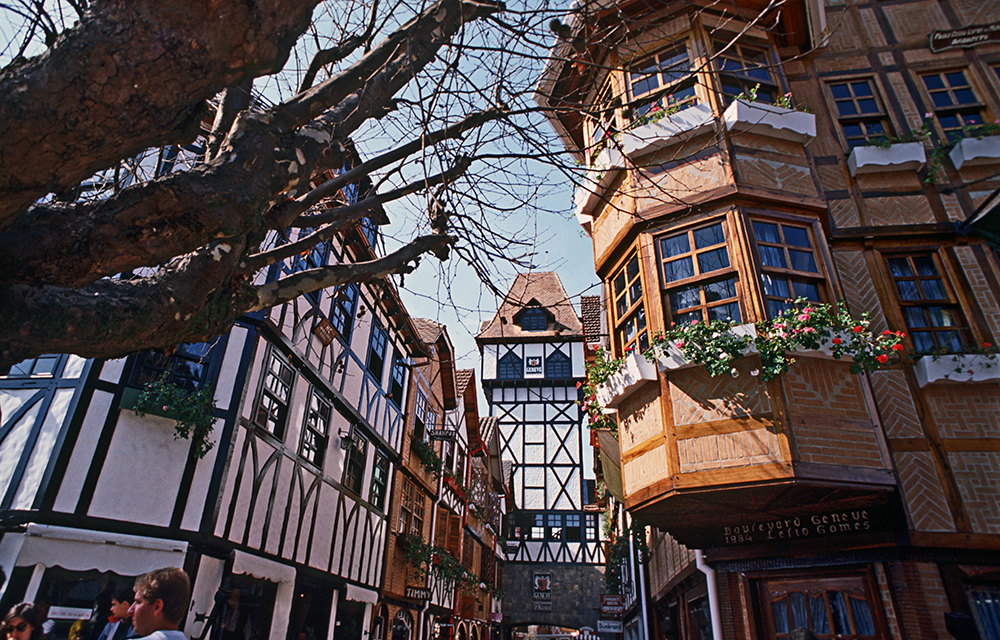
point(576, 594)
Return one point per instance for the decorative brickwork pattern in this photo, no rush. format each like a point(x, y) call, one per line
point(641, 418)
point(895, 404)
point(935, 596)
point(823, 393)
point(922, 491)
point(976, 475)
point(977, 280)
point(771, 174)
point(698, 397)
point(915, 20)
point(822, 445)
point(844, 213)
point(858, 287)
point(722, 451)
point(914, 615)
point(953, 207)
point(898, 210)
point(965, 410)
point(831, 176)
point(888, 608)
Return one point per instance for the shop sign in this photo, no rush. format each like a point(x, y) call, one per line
point(543, 595)
point(325, 331)
point(965, 37)
point(416, 593)
point(799, 527)
point(533, 366)
point(541, 606)
point(70, 613)
point(496, 616)
point(609, 626)
point(611, 605)
point(542, 581)
point(442, 434)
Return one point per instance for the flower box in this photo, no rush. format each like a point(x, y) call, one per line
point(906, 156)
point(596, 180)
point(635, 372)
point(960, 367)
point(826, 349)
point(671, 357)
point(668, 130)
point(970, 152)
point(769, 120)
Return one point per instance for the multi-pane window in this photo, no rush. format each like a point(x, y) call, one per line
point(317, 428)
point(665, 79)
point(420, 416)
point(397, 379)
point(342, 310)
point(789, 267)
point(510, 367)
point(572, 530)
point(833, 608)
point(40, 367)
point(932, 315)
point(380, 480)
point(741, 68)
point(554, 524)
point(557, 365)
point(602, 122)
point(591, 527)
point(354, 469)
point(514, 526)
point(409, 496)
point(312, 258)
point(699, 280)
point(859, 112)
point(376, 351)
point(955, 102)
point(630, 310)
point(534, 319)
point(538, 527)
point(272, 400)
point(187, 367)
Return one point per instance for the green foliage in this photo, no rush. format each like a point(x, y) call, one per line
point(599, 370)
point(428, 457)
point(980, 131)
point(192, 410)
point(617, 556)
point(428, 559)
point(710, 344)
point(657, 113)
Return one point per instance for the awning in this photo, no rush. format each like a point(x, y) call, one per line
point(360, 594)
point(262, 568)
point(611, 463)
point(84, 550)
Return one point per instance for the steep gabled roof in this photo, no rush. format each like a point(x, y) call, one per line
point(592, 310)
point(434, 333)
point(543, 288)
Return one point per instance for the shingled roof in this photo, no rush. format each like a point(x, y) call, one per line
point(592, 310)
point(544, 289)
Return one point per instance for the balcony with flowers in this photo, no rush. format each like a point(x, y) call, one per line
point(748, 420)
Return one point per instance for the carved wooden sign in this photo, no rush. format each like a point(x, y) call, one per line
point(416, 593)
point(325, 331)
point(442, 434)
point(800, 527)
point(965, 37)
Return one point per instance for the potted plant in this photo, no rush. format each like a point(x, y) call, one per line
point(779, 120)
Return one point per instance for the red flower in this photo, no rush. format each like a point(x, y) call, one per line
point(579, 384)
point(887, 333)
point(680, 344)
point(858, 329)
point(987, 345)
point(836, 341)
point(897, 347)
point(883, 358)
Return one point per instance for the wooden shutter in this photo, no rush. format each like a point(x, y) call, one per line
point(454, 534)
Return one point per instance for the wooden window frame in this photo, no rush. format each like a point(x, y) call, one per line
point(635, 308)
point(861, 118)
point(698, 278)
point(354, 465)
point(820, 277)
point(745, 77)
point(658, 65)
point(315, 434)
point(953, 301)
point(397, 378)
point(966, 114)
point(342, 309)
point(380, 480)
point(378, 348)
point(270, 412)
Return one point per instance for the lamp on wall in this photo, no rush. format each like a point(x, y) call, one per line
point(345, 438)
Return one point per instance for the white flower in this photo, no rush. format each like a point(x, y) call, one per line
point(755, 372)
point(733, 372)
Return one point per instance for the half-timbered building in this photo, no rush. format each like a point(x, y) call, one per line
point(737, 158)
point(282, 525)
point(532, 359)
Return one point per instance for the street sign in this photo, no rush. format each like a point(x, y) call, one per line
point(611, 605)
point(609, 626)
point(442, 434)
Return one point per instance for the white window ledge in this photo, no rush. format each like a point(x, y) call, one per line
point(671, 357)
point(971, 152)
point(770, 120)
point(635, 372)
point(665, 132)
point(959, 367)
point(905, 156)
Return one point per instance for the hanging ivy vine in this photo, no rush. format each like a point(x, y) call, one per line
point(193, 411)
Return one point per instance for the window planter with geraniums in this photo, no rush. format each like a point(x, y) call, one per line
point(429, 459)
point(192, 410)
point(975, 365)
point(779, 120)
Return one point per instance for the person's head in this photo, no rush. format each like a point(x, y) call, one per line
point(121, 600)
point(161, 599)
point(24, 622)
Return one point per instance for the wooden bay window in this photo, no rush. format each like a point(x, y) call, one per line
point(629, 307)
point(932, 314)
point(790, 266)
point(699, 280)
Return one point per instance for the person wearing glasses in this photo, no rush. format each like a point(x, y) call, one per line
point(24, 622)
